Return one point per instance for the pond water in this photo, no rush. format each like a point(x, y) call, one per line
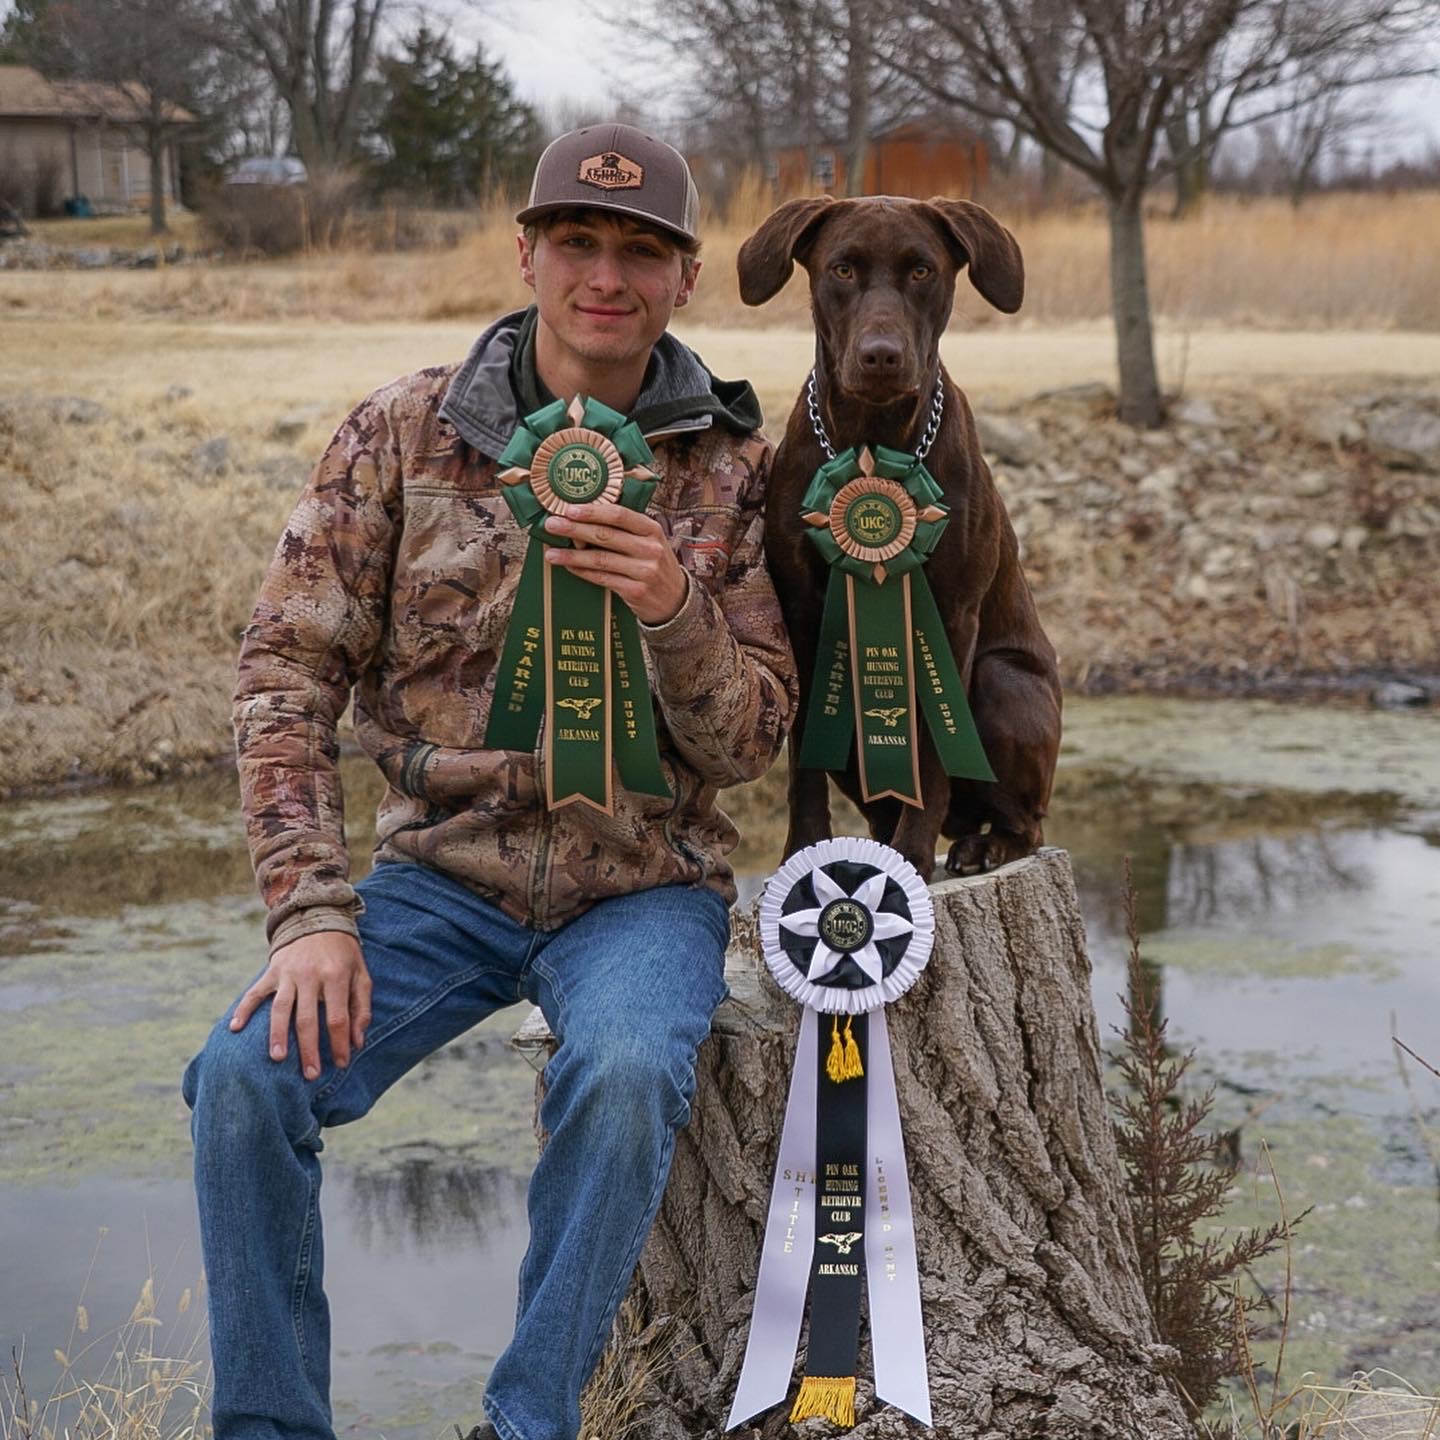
point(1287, 862)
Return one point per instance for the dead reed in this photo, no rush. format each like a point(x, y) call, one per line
point(147, 1378)
point(1343, 261)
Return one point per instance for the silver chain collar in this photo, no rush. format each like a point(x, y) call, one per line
point(937, 410)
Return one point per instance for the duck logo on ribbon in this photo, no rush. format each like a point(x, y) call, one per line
point(572, 658)
point(876, 518)
point(846, 926)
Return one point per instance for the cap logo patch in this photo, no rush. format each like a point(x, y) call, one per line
point(611, 172)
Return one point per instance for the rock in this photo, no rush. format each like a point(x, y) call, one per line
point(1196, 411)
point(1353, 538)
point(1219, 563)
point(1162, 482)
point(212, 458)
point(1091, 392)
point(1312, 483)
point(292, 426)
point(1406, 435)
point(1196, 588)
point(1398, 695)
point(77, 410)
point(1268, 506)
point(96, 258)
point(1133, 467)
point(176, 393)
point(1011, 441)
point(1412, 521)
point(1331, 423)
point(1322, 538)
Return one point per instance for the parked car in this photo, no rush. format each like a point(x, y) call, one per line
point(267, 170)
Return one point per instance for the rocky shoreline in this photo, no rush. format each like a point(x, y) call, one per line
point(1280, 543)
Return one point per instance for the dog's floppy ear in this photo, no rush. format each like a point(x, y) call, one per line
point(997, 270)
point(768, 256)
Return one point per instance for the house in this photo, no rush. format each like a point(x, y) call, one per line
point(61, 138)
point(918, 157)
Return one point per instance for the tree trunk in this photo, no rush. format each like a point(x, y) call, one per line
point(1036, 1322)
point(857, 74)
point(157, 183)
point(1130, 305)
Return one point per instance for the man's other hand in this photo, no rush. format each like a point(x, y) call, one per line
point(327, 969)
point(625, 552)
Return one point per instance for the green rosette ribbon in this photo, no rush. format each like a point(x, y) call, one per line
point(572, 654)
point(876, 517)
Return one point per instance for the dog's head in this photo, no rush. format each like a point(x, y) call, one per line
point(882, 279)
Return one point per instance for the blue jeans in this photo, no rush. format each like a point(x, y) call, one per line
point(628, 988)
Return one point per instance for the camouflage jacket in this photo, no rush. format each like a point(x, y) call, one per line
point(395, 578)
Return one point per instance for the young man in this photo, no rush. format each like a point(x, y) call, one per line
point(397, 578)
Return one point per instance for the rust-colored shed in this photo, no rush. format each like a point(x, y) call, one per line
point(919, 158)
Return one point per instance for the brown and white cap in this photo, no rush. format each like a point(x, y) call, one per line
point(619, 168)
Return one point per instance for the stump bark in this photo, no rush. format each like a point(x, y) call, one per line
point(1036, 1322)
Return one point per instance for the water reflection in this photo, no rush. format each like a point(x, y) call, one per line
point(1259, 877)
point(434, 1200)
point(1201, 855)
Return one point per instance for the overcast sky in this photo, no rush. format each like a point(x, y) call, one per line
point(556, 51)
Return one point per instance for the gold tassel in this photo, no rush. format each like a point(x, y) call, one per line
point(835, 1061)
point(854, 1070)
point(830, 1397)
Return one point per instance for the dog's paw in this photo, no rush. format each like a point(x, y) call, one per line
point(968, 856)
point(975, 854)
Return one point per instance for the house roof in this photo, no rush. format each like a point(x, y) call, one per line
point(26, 92)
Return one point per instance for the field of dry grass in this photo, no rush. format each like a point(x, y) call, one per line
point(1341, 262)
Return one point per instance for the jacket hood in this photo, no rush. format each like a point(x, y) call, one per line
point(497, 387)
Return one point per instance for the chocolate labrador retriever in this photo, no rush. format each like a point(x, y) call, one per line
point(882, 284)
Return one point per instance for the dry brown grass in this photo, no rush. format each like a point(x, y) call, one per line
point(126, 579)
point(1343, 261)
point(128, 232)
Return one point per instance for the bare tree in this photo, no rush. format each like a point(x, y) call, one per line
point(778, 73)
point(858, 67)
point(147, 50)
point(1302, 61)
point(987, 57)
point(318, 54)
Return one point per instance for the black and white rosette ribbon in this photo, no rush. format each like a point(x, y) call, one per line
point(846, 926)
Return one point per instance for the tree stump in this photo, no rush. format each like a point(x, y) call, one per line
point(1036, 1322)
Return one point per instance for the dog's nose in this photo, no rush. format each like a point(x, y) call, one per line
point(881, 355)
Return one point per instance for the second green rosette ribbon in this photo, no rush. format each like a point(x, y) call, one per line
point(876, 518)
point(572, 652)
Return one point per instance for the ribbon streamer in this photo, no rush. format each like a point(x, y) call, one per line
point(594, 697)
point(846, 925)
point(876, 518)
